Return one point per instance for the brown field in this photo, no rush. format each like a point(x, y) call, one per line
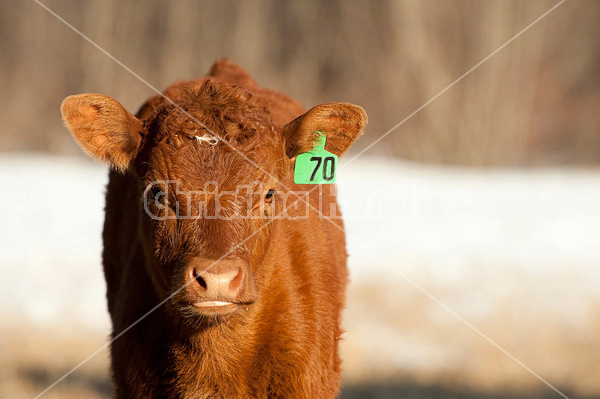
point(440, 357)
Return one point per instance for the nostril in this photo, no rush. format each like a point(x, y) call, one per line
point(237, 280)
point(200, 280)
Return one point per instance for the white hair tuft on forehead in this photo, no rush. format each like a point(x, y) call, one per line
point(207, 138)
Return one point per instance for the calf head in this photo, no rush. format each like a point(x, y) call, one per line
point(209, 162)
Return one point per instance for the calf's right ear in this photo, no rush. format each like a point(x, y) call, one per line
point(103, 128)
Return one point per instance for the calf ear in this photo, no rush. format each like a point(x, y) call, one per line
point(103, 128)
point(342, 123)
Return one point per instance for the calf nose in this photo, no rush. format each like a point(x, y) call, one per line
point(217, 280)
point(220, 284)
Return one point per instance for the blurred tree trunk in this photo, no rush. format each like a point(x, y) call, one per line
point(533, 102)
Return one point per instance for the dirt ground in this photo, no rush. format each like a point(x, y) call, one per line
point(407, 349)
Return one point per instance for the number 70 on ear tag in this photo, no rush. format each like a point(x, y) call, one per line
point(316, 166)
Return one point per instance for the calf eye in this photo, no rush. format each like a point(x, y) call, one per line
point(269, 195)
point(158, 195)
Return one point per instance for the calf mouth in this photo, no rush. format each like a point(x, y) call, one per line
point(215, 307)
point(217, 287)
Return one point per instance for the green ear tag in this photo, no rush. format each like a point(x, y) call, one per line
point(316, 166)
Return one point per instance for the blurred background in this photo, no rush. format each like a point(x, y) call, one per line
point(486, 200)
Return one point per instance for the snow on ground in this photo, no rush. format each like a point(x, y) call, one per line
point(50, 240)
point(456, 225)
point(476, 240)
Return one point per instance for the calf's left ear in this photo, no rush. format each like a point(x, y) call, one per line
point(103, 128)
point(342, 123)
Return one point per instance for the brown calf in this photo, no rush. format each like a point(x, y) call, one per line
point(239, 297)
